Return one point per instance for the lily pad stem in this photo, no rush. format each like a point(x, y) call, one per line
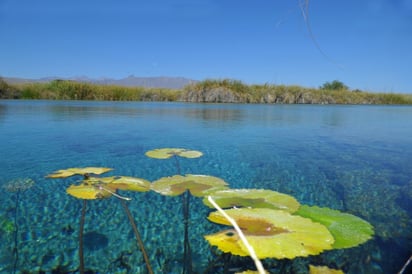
point(187, 252)
point(81, 257)
point(187, 255)
point(177, 164)
point(138, 238)
point(250, 249)
point(16, 232)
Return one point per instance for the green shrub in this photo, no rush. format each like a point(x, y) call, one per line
point(7, 91)
point(334, 85)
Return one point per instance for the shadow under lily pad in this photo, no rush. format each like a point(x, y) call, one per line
point(94, 240)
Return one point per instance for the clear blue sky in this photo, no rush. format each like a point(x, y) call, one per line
point(366, 44)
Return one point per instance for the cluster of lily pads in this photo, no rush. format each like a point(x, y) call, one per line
point(275, 224)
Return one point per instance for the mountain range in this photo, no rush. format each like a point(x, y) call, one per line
point(130, 81)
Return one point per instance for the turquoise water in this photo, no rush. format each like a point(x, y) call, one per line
point(357, 159)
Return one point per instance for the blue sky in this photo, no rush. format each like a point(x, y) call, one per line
point(365, 44)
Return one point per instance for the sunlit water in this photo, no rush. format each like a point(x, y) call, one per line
point(357, 159)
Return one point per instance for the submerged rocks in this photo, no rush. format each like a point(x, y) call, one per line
point(370, 195)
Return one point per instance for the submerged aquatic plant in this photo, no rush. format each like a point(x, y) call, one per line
point(6, 226)
point(177, 185)
point(19, 185)
point(197, 185)
point(16, 186)
point(92, 188)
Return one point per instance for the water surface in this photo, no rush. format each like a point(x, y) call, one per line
point(357, 159)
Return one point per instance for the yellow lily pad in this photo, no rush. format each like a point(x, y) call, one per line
point(126, 183)
point(89, 192)
point(323, 270)
point(347, 229)
point(198, 185)
point(64, 173)
point(255, 198)
point(272, 234)
point(190, 154)
point(165, 153)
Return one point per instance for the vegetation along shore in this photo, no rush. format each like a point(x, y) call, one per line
point(207, 91)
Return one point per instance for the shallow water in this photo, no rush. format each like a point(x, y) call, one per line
point(357, 159)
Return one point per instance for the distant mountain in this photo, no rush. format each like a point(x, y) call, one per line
point(130, 81)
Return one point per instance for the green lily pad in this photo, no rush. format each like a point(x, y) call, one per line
point(255, 198)
point(64, 173)
point(271, 233)
point(89, 191)
point(165, 153)
point(347, 229)
point(198, 185)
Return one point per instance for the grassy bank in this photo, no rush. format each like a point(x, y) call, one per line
point(210, 91)
point(70, 90)
point(237, 92)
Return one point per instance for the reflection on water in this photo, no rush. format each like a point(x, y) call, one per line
point(351, 158)
point(215, 113)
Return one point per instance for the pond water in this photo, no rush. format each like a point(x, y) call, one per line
point(357, 159)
